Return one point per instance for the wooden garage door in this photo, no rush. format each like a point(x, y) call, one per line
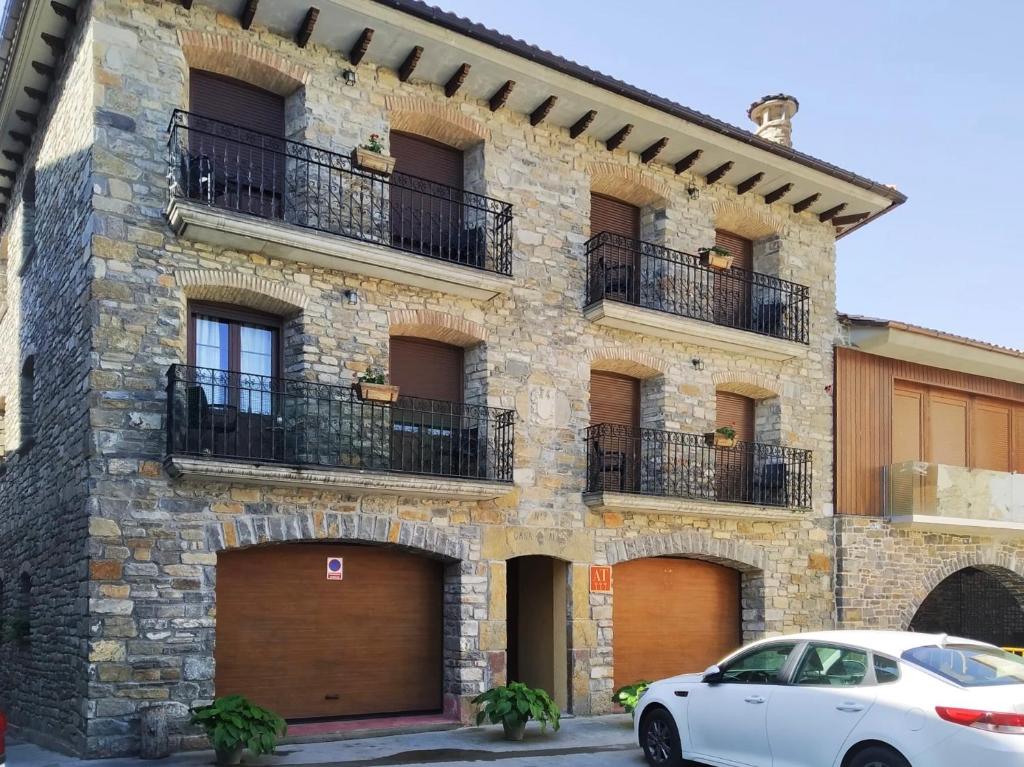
point(303, 646)
point(672, 616)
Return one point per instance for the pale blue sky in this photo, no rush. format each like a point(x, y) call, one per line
point(924, 94)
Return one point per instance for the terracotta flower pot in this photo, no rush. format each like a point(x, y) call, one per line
point(514, 732)
point(716, 260)
point(714, 439)
point(371, 392)
point(228, 757)
point(374, 162)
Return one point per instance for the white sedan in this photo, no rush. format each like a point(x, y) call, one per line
point(842, 699)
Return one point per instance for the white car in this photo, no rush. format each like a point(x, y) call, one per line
point(842, 699)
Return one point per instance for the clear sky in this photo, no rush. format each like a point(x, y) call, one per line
point(927, 95)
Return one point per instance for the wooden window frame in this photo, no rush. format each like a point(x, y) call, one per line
point(236, 316)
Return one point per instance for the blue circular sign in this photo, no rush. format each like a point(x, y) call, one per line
point(334, 565)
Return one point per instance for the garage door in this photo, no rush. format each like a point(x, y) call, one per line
point(672, 616)
point(303, 646)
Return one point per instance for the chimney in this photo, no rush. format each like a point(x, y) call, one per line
point(773, 116)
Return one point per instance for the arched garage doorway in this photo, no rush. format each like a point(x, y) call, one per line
point(984, 603)
point(308, 647)
point(671, 616)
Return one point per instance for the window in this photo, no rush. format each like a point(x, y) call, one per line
point(237, 353)
point(27, 402)
point(969, 665)
point(759, 666)
point(887, 670)
point(831, 666)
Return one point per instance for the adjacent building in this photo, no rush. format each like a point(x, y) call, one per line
point(219, 214)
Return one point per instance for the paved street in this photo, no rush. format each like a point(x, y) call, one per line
point(606, 740)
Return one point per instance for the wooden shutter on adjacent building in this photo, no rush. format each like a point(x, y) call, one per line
point(235, 101)
point(736, 411)
point(417, 156)
point(610, 215)
point(990, 425)
point(1018, 439)
point(947, 415)
point(741, 248)
point(907, 420)
point(614, 399)
point(427, 369)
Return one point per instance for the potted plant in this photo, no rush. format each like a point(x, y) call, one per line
point(515, 704)
point(716, 257)
point(373, 386)
point(370, 156)
point(723, 436)
point(629, 695)
point(233, 723)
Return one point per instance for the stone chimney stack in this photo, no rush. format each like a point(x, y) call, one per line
point(773, 116)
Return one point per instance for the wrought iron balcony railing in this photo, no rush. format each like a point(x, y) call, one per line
point(654, 277)
point(259, 419)
point(621, 459)
point(234, 168)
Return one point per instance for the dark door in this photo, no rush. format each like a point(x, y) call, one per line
point(240, 166)
point(427, 215)
point(615, 402)
point(732, 289)
point(734, 467)
point(617, 272)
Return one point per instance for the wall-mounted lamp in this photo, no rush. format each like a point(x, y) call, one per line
point(352, 297)
point(698, 363)
point(692, 192)
point(349, 76)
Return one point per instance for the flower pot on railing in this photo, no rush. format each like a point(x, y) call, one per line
point(717, 439)
point(375, 392)
point(716, 258)
point(374, 162)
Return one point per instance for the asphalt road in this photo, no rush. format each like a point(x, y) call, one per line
point(608, 756)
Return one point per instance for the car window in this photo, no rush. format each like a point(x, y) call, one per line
point(969, 665)
point(759, 666)
point(886, 670)
point(830, 666)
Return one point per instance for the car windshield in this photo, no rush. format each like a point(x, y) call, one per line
point(969, 665)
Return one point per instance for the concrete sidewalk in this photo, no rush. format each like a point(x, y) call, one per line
point(610, 735)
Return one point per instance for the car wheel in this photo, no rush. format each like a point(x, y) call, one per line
point(660, 739)
point(878, 756)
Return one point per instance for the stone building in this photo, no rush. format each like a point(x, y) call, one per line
point(198, 268)
point(929, 483)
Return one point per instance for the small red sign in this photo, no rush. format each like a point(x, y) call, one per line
point(601, 579)
point(335, 568)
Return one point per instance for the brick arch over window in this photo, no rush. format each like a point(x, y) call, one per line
point(239, 58)
point(436, 326)
point(632, 185)
point(256, 530)
point(755, 222)
point(1008, 570)
point(242, 290)
point(753, 385)
point(629, 362)
point(434, 120)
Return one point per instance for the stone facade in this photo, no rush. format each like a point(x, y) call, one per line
point(129, 606)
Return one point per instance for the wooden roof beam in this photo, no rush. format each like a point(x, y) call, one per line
point(654, 150)
point(718, 172)
point(537, 115)
point(249, 13)
point(8, 174)
point(65, 12)
point(745, 186)
point(500, 97)
point(306, 28)
point(831, 213)
point(409, 65)
point(27, 117)
point(853, 218)
point(44, 69)
point(687, 162)
point(456, 80)
point(16, 157)
point(56, 44)
point(581, 125)
point(361, 47)
point(778, 194)
point(21, 138)
point(805, 203)
point(619, 137)
point(35, 93)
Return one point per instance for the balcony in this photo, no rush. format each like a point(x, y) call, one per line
point(234, 187)
point(671, 472)
point(954, 499)
point(238, 427)
point(649, 289)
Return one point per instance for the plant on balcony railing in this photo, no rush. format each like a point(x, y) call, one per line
point(260, 419)
point(233, 168)
point(654, 277)
point(621, 459)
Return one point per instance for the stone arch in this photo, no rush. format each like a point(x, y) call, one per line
point(434, 120)
point(757, 386)
point(1003, 567)
point(238, 57)
point(693, 544)
point(436, 326)
point(629, 184)
point(755, 222)
point(625, 361)
point(248, 530)
point(241, 289)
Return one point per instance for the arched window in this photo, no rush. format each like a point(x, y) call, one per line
point(27, 402)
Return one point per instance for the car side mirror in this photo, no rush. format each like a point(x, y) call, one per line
point(712, 675)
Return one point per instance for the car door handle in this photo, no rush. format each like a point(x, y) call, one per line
point(852, 708)
point(754, 699)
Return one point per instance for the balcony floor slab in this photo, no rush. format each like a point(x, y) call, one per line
point(343, 480)
point(689, 507)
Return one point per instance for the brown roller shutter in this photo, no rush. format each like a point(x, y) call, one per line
point(736, 411)
point(947, 414)
point(618, 262)
point(1018, 439)
point(303, 646)
point(907, 431)
point(614, 399)
point(991, 426)
point(235, 101)
point(741, 248)
point(732, 289)
point(672, 616)
point(427, 369)
point(427, 159)
point(610, 215)
point(734, 469)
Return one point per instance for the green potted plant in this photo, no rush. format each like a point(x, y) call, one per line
point(723, 436)
point(233, 723)
point(628, 696)
point(373, 386)
point(370, 156)
point(716, 257)
point(515, 704)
